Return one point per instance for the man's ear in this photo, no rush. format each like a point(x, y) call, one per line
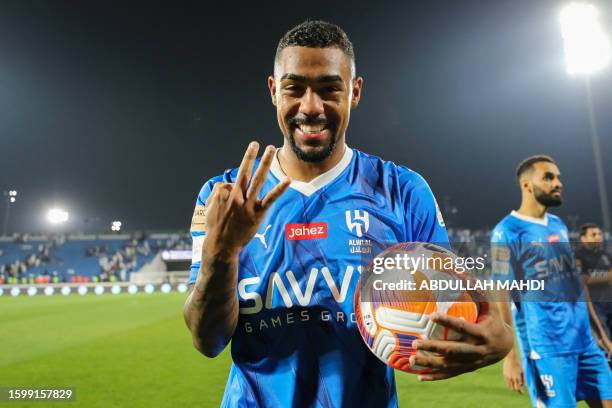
point(525, 184)
point(356, 95)
point(272, 88)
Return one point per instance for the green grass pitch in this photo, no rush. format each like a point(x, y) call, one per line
point(135, 351)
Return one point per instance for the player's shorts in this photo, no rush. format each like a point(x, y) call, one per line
point(560, 381)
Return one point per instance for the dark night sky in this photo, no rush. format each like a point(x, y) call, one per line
point(122, 112)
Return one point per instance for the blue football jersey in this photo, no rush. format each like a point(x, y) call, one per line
point(297, 342)
point(553, 321)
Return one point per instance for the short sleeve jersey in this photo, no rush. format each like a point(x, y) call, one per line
point(297, 342)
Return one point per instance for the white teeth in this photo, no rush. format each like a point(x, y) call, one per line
point(311, 128)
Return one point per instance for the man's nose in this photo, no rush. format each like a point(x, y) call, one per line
point(311, 104)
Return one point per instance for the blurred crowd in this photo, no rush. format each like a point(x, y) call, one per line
point(114, 264)
point(17, 270)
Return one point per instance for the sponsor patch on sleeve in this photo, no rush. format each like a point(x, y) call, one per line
point(439, 215)
point(198, 221)
point(501, 261)
point(501, 254)
point(500, 267)
point(196, 249)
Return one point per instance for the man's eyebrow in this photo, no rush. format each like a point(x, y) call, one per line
point(322, 78)
point(329, 78)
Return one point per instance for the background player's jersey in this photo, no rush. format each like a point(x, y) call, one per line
point(592, 263)
point(554, 321)
point(297, 342)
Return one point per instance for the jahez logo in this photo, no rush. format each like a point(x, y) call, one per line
point(300, 232)
point(553, 238)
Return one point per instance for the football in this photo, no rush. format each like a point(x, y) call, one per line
point(398, 291)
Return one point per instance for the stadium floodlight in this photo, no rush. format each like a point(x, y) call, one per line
point(116, 226)
point(587, 48)
point(12, 195)
point(57, 216)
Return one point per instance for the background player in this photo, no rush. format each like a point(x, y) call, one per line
point(595, 265)
point(285, 297)
point(561, 361)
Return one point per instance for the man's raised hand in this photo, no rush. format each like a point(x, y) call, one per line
point(234, 212)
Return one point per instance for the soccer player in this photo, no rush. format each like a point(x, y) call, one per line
point(595, 266)
point(561, 362)
point(278, 245)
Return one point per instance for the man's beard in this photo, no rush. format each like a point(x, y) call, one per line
point(546, 199)
point(593, 246)
point(318, 155)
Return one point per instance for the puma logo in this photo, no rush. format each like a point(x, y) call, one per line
point(262, 236)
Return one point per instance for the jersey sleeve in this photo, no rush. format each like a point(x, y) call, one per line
point(423, 217)
point(198, 226)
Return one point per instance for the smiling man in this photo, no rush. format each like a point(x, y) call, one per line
point(279, 243)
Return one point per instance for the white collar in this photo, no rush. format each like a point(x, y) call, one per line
point(541, 221)
point(308, 188)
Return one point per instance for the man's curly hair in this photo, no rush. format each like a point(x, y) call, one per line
point(316, 34)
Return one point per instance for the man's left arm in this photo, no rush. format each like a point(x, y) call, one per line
point(483, 343)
